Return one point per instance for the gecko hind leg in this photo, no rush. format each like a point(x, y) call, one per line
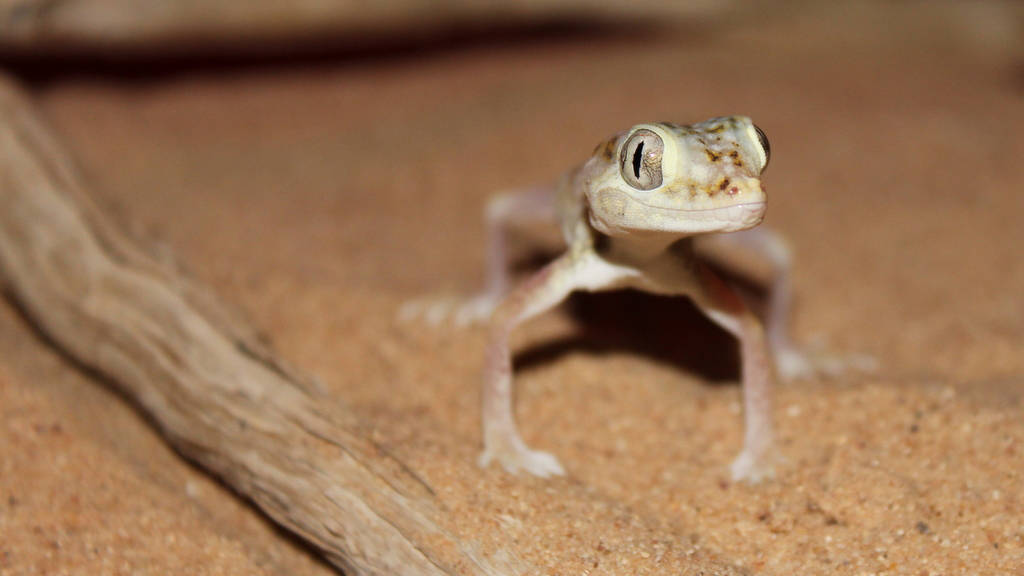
point(791, 362)
point(509, 208)
point(763, 247)
point(503, 210)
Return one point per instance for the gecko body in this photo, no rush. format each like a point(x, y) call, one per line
point(632, 216)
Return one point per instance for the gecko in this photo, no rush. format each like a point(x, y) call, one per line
point(634, 215)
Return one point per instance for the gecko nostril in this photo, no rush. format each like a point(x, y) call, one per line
point(734, 191)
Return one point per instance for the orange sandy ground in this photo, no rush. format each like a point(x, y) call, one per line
point(321, 197)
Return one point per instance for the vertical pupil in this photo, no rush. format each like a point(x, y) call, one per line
point(638, 157)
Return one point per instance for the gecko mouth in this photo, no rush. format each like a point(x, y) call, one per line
point(738, 209)
point(618, 211)
point(731, 217)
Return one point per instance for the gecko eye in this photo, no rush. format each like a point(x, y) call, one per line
point(765, 147)
point(640, 164)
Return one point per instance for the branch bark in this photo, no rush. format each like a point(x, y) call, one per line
point(218, 395)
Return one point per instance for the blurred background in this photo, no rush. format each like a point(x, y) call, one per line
point(321, 162)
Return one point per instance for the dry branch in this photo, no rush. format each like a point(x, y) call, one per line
point(218, 396)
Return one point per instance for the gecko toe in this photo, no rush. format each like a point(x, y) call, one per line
point(793, 364)
point(534, 462)
point(475, 310)
point(755, 468)
point(796, 364)
point(542, 464)
point(442, 310)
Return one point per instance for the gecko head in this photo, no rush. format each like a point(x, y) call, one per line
point(668, 179)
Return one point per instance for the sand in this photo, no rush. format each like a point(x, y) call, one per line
point(320, 196)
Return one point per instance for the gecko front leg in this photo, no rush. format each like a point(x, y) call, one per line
point(723, 305)
point(769, 247)
point(574, 270)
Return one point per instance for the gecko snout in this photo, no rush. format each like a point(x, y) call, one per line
point(737, 190)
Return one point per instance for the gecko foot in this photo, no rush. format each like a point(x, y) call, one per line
point(476, 310)
point(459, 311)
point(794, 364)
point(753, 468)
point(797, 364)
point(519, 457)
